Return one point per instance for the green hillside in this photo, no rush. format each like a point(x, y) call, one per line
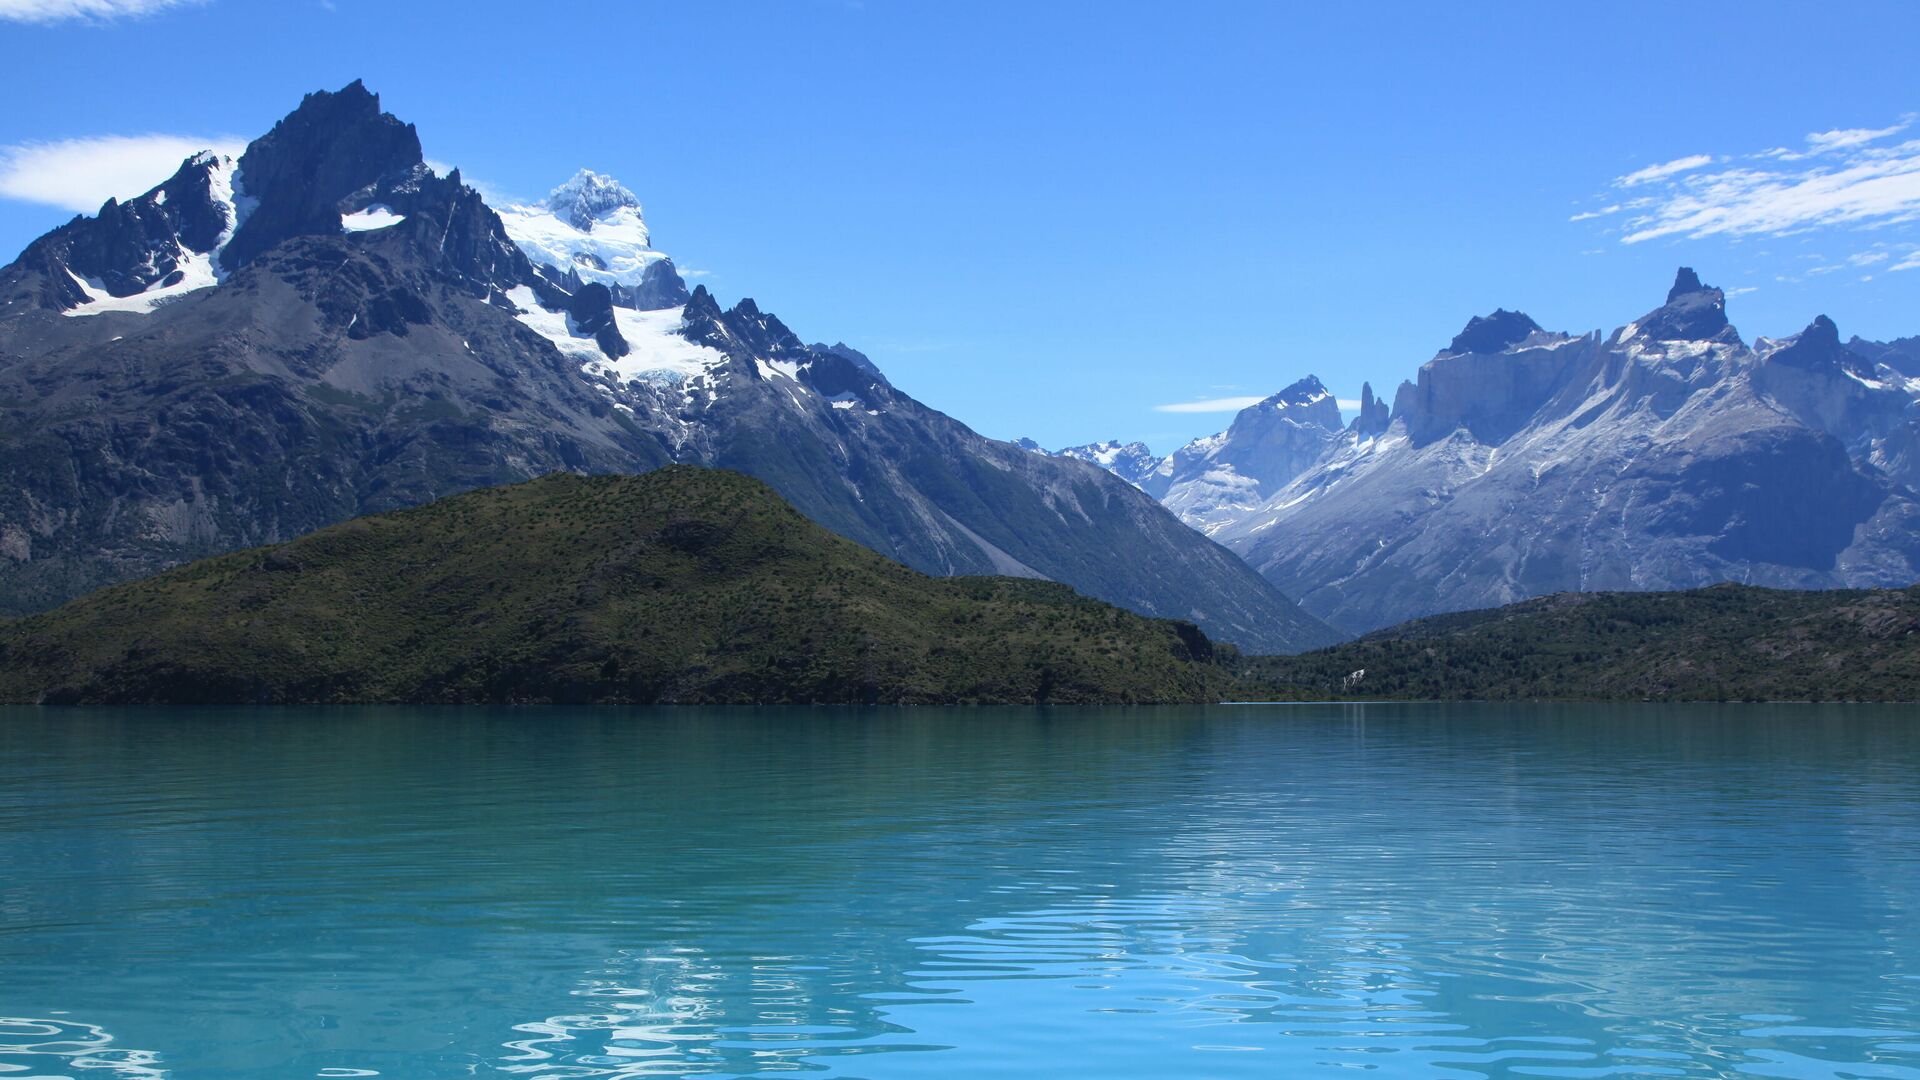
point(681, 585)
point(1725, 643)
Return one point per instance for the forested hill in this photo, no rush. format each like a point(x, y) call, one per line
point(1725, 643)
point(682, 585)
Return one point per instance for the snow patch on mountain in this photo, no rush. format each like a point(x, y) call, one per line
point(193, 270)
point(371, 218)
point(658, 353)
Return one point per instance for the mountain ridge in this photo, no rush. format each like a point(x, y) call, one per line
point(1521, 461)
point(380, 337)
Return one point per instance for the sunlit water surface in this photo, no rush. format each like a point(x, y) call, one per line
point(1418, 891)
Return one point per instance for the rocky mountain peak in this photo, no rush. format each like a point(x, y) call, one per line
point(1374, 415)
point(1304, 392)
point(589, 197)
point(1493, 333)
point(333, 145)
point(1685, 281)
point(1818, 348)
point(1693, 312)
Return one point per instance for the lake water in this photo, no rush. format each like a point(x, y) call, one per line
point(1412, 891)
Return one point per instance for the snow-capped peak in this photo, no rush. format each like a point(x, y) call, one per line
point(590, 224)
point(589, 198)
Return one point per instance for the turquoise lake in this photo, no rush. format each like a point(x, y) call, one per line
point(1382, 890)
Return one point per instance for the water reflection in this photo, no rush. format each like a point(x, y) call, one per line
point(1137, 893)
point(53, 1046)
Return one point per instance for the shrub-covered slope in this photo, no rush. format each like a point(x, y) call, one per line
point(1725, 643)
point(682, 585)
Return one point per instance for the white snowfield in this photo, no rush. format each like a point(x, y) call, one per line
point(197, 269)
point(659, 353)
point(613, 248)
point(377, 216)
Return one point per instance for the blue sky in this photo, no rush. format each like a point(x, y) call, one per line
point(1057, 219)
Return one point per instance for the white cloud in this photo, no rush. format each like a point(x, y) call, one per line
point(1664, 170)
point(1846, 177)
point(1348, 404)
point(1211, 405)
point(1911, 262)
point(80, 174)
point(46, 11)
point(1841, 138)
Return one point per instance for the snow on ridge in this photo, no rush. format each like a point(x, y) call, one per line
point(591, 225)
point(658, 353)
point(196, 269)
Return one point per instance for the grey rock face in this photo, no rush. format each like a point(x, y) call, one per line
point(1210, 481)
point(1374, 415)
point(331, 373)
point(1667, 456)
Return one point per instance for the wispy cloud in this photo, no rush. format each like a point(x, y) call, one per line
point(1847, 177)
point(1211, 405)
point(49, 11)
point(1841, 138)
point(1663, 170)
point(80, 174)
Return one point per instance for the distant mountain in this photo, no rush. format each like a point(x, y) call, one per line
point(1132, 462)
point(683, 585)
point(1724, 643)
point(1212, 481)
point(1524, 462)
point(325, 327)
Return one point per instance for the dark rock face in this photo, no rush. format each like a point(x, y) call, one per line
point(1684, 281)
point(1493, 333)
point(591, 308)
point(128, 247)
point(334, 373)
point(660, 287)
point(1693, 312)
point(332, 146)
point(1901, 354)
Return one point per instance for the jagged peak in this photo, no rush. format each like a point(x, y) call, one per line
point(1693, 312)
point(1821, 332)
point(588, 197)
point(1684, 282)
point(1305, 391)
point(1494, 332)
point(1818, 347)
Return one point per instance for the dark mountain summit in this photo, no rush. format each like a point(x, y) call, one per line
point(326, 328)
point(1693, 312)
point(1492, 333)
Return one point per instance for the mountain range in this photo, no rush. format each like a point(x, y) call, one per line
point(325, 327)
point(1521, 462)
